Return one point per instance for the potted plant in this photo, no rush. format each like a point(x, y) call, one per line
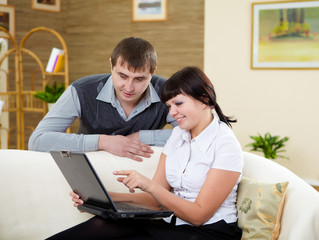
point(269, 145)
point(50, 94)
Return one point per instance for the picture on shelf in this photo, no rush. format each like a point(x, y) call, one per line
point(7, 20)
point(47, 5)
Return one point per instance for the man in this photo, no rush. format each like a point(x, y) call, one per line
point(118, 112)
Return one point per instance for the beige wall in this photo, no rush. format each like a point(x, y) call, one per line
point(283, 102)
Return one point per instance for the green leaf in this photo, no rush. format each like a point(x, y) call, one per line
point(50, 94)
point(268, 144)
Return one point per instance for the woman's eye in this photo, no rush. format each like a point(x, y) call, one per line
point(178, 103)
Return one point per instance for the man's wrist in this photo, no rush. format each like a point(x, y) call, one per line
point(90, 142)
point(102, 139)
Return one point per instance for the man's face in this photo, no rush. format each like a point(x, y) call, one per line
point(129, 86)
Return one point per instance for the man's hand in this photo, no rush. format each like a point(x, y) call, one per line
point(124, 146)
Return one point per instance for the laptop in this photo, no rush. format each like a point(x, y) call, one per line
point(83, 179)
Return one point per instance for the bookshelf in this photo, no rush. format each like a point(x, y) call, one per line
point(17, 99)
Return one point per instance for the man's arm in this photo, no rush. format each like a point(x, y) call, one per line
point(50, 133)
point(157, 137)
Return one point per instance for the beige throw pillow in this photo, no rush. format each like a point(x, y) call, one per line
point(259, 208)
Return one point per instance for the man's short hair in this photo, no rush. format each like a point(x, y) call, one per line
point(136, 52)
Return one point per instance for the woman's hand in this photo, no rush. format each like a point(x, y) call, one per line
point(133, 180)
point(76, 199)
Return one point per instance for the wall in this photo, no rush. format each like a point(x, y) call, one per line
point(283, 102)
point(94, 28)
point(27, 19)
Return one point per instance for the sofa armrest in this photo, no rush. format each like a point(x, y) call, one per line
point(300, 217)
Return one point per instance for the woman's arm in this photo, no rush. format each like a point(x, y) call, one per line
point(217, 186)
point(141, 198)
point(144, 198)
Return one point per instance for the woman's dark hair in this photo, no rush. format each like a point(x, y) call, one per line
point(137, 52)
point(193, 82)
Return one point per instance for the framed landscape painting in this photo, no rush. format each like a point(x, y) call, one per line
point(47, 5)
point(149, 10)
point(285, 35)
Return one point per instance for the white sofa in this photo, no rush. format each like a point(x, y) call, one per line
point(34, 201)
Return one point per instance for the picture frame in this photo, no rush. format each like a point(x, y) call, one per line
point(149, 10)
point(285, 35)
point(7, 20)
point(46, 5)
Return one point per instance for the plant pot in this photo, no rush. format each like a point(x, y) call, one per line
point(50, 105)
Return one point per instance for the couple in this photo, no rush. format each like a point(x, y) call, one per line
point(201, 164)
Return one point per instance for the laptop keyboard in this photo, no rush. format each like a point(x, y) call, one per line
point(121, 206)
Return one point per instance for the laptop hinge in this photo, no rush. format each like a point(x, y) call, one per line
point(66, 154)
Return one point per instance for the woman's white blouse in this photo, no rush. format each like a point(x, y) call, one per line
point(189, 160)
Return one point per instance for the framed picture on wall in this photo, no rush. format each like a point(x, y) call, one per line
point(285, 35)
point(149, 10)
point(7, 20)
point(47, 5)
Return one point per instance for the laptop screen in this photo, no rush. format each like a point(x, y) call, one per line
point(82, 178)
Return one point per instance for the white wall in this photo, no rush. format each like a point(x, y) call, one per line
point(283, 102)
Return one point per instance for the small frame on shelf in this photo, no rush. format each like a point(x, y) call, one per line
point(7, 20)
point(47, 5)
point(149, 10)
point(285, 35)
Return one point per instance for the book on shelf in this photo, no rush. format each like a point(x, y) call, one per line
point(56, 61)
point(59, 64)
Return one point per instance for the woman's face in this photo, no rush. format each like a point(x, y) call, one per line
point(189, 113)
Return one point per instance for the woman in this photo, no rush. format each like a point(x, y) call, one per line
point(197, 174)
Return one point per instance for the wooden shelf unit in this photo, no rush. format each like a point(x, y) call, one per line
point(20, 100)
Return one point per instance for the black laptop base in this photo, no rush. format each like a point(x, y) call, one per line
point(107, 214)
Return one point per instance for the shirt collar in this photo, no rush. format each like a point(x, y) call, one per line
point(107, 93)
point(204, 139)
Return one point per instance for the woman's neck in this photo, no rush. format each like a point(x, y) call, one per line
point(206, 120)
